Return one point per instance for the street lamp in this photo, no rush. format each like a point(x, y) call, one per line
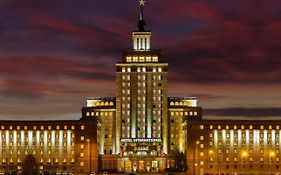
point(195, 158)
point(243, 155)
point(210, 152)
point(90, 154)
point(271, 155)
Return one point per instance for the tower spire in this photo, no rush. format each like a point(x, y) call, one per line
point(141, 23)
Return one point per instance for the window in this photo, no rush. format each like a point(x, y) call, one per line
point(82, 127)
point(82, 138)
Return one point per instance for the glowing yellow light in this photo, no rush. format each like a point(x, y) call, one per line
point(244, 153)
point(272, 154)
point(197, 142)
point(211, 151)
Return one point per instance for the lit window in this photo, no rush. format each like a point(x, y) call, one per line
point(269, 127)
point(123, 69)
point(42, 127)
point(211, 126)
point(82, 138)
point(11, 127)
point(18, 127)
point(155, 59)
point(261, 127)
point(148, 59)
point(65, 127)
point(135, 59)
point(81, 154)
point(129, 69)
point(58, 127)
point(129, 59)
point(242, 127)
point(88, 114)
point(201, 126)
point(219, 126)
point(159, 69)
point(82, 127)
point(49, 127)
point(72, 127)
point(227, 127)
point(201, 137)
point(141, 59)
point(81, 163)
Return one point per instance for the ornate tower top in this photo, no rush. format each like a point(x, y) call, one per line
point(141, 37)
point(141, 23)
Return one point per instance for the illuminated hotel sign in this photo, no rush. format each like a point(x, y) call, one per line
point(141, 140)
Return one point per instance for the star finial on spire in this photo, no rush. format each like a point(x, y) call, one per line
point(142, 2)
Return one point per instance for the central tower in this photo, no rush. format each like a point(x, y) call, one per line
point(141, 97)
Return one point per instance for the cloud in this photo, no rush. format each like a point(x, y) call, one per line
point(36, 77)
point(243, 113)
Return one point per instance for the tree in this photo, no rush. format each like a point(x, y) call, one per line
point(30, 166)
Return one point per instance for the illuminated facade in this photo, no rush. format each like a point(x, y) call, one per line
point(141, 129)
point(233, 146)
point(61, 146)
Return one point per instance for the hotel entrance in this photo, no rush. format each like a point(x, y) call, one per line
point(141, 166)
point(128, 166)
point(154, 165)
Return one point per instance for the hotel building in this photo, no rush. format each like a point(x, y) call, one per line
point(142, 129)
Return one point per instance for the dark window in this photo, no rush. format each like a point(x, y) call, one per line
point(110, 151)
point(159, 84)
point(105, 136)
point(104, 151)
point(235, 166)
point(172, 121)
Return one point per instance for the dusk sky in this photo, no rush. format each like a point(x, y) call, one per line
point(56, 53)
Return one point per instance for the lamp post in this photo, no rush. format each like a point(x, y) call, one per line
point(243, 155)
point(90, 154)
point(195, 158)
point(271, 155)
point(210, 152)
